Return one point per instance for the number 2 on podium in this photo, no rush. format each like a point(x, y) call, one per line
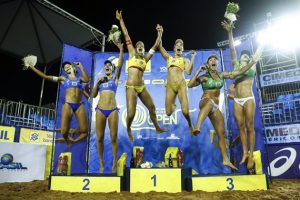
point(154, 180)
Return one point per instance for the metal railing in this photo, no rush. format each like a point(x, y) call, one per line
point(24, 115)
point(281, 112)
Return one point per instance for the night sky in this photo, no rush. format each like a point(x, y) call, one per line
point(197, 22)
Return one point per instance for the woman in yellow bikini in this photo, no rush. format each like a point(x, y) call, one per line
point(211, 83)
point(176, 84)
point(135, 85)
point(244, 102)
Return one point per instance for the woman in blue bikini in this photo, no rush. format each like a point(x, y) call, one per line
point(106, 109)
point(73, 99)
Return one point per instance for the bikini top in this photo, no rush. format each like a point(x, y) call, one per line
point(109, 85)
point(212, 84)
point(68, 83)
point(249, 73)
point(177, 62)
point(139, 63)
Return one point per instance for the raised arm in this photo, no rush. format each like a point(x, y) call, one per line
point(161, 49)
point(234, 74)
point(47, 77)
point(228, 28)
point(120, 62)
point(128, 41)
point(84, 77)
point(156, 44)
point(189, 64)
point(195, 80)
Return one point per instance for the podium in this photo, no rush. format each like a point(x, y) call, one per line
point(86, 183)
point(229, 182)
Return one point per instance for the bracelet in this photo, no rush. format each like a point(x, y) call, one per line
point(151, 51)
point(128, 42)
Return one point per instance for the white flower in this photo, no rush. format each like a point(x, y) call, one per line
point(29, 60)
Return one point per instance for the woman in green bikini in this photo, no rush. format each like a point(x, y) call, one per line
point(244, 102)
point(211, 83)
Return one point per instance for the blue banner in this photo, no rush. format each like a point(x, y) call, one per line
point(284, 161)
point(199, 152)
point(78, 150)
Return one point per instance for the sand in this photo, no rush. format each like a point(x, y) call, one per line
point(279, 189)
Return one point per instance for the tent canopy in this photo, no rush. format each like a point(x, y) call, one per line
point(40, 28)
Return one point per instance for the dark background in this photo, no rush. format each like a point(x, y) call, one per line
point(196, 22)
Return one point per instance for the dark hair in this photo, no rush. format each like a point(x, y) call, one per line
point(69, 63)
point(245, 52)
point(66, 63)
point(212, 56)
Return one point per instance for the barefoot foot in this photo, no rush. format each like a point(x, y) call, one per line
point(161, 130)
point(130, 136)
point(114, 167)
point(195, 132)
point(101, 169)
point(244, 158)
point(229, 164)
point(250, 163)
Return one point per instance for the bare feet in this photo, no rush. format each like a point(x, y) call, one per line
point(229, 164)
point(131, 138)
point(195, 132)
point(244, 158)
point(250, 164)
point(161, 130)
point(101, 169)
point(68, 141)
point(114, 167)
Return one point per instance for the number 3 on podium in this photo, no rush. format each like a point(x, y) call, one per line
point(230, 182)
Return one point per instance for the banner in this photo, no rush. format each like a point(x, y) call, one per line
point(281, 77)
point(22, 162)
point(284, 161)
point(7, 133)
point(199, 152)
point(283, 134)
point(31, 136)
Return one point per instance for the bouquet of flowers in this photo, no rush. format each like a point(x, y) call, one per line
point(114, 34)
point(29, 60)
point(231, 10)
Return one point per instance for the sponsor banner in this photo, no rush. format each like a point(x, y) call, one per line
point(283, 134)
point(284, 161)
point(22, 162)
point(31, 136)
point(7, 133)
point(280, 77)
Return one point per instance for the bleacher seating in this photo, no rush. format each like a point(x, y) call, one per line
point(24, 115)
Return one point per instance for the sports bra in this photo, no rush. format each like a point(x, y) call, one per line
point(109, 85)
point(68, 83)
point(139, 63)
point(177, 62)
point(212, 84)
point(249, 73)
